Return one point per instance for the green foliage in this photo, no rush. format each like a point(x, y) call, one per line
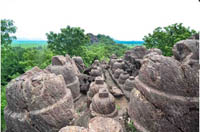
point(131, 127)
point(105, 39)
point(36, 57)
point(100, 51)
point(7, 28)
point(10, 66)
point(164, 38)
point(3, 105)
point(68, 41)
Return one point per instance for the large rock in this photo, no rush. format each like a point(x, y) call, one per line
point(138, 52)
point(69, 71)
point(146, 117)
point(73, 129)
point(103, 104)
point(101, 124)
point(70, 78)
point(187, 52)
point(172, 88)
point(38, 101)
point(79, 63)
point(85, 81)
point(186, 47)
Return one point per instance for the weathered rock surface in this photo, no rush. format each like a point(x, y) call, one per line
point(70, 78)
point(69, 71)
point(146, 117)
point(116, 92)
point(187, 52)
point(85, 81)
point(103, 104)
point(172, 88)
point(96, 86)
point(58, 60)
point(38, 101)
point(73, 129)
point(79, 63)
point(101, 124)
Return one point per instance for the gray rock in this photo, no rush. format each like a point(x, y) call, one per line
point(73, 129)
point(38, 101)
point(101, 124)
point(171, 88)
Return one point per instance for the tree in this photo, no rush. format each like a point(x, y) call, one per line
point(68, 41)
point(105, 39)
point(164, 38)
point(7, 28)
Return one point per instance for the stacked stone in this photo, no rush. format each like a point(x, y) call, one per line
point(119, 64)
point(113, 59)
point(96, 71)
point(38, 101)
point(117, 73)
point(96, 86)
point(79, 63)
point(66, 67)
point(103, 104)
point(123, 77)
point(165, 96)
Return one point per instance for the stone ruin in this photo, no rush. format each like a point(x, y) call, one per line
point(156, 93)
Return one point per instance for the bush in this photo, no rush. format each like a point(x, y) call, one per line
point(164, 38)
point(68, 41)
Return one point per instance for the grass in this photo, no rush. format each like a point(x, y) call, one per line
point(131, 127)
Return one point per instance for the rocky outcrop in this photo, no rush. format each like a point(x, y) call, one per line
point(168, 89)
point(38, 101)
point(69, 71)
point(187, 52)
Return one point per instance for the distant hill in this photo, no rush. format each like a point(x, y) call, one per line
point(129, 42)
point(29, 42)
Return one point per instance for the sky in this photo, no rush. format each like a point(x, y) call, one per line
point(120, 19)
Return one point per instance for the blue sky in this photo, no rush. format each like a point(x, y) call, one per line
point(121, 19)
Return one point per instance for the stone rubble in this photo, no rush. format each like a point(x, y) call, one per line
point(155, 92)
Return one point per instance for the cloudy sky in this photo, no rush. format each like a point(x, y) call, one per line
point(120, 19)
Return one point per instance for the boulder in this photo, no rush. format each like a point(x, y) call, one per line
point(73, 129)
point(79, 63)
point(85, 81)
point(58, 60)
point(187, 52)
point(184, 48)
point(158, 51)
point(103, 104)
point(138, 52)
point(101, 124)
point(38, 101)
point(116, 92)
point(172, 88)
point(70, 78)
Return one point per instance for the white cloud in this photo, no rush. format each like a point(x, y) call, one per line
point(121, 19)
